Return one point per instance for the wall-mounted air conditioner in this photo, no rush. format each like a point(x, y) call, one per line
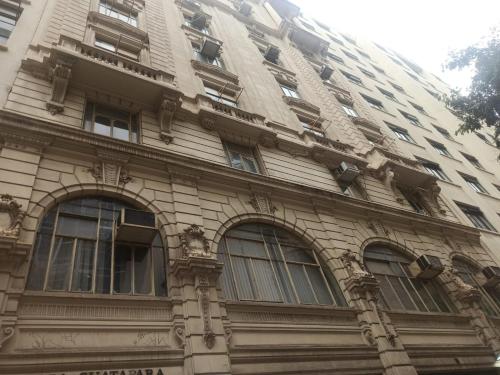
point(346, 172)
point(245, 9)
point(490, 276)
point(210, 48)
point(136, 226)
point(426, 267)
point(326, 72)
point(191, 4)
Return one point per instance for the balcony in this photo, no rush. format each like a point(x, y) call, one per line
point(407, 172)
point(342, 95)
point(368, 127)
point(308, 41)
point(89, 66)
point(233, 123)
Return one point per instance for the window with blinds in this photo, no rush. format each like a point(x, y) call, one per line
point(264, 263)
point(400, 290)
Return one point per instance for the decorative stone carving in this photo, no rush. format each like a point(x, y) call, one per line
point(166, 113)
point(203, 290)
point(359, 279)
point(180, 335)
point(388, 177)
point(433, 193)
point(194, 242)
point(208, 123)
point(466, 293)
point(378, 228)
point(111, 169)
point(367, 333)
point(262, 203)
point(11, 216)
point(6, 335)
point(228, 332)
point(60, 75)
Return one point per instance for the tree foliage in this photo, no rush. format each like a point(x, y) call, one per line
point(480, 107)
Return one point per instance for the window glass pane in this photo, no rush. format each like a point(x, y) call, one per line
point(83, 266)
point(266, 282)
point(103, 270)
point(159, 269)
point(401, 292)
point(319, 285)
point(227, 277)
point(89, 116)
point(236, 160)
point(297, 254)
point(301, 284)
point(102, 125)
point(284, 280)
point(250, 165)
point(123, 269)
point(438, 298)
point(105, 45)
point(247, 248)
point(422, 292)
point(243, 280)
point(60, 265)
point(134, 130)
point(390, 297)
point(76, 227)
point(142, 270)
point(120, 130)
point(41, 253)
point(81, 207)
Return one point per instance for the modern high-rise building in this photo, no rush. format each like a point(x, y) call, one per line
point(228, 187)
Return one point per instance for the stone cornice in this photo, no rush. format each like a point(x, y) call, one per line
point(215, 172)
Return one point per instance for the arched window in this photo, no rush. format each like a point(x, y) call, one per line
point(267, 264)
point(490, 298)
point(76, 251)
point(400, 290)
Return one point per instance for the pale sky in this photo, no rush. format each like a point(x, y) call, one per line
point(423, 31)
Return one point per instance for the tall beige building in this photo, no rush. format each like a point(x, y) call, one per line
point(228, 187)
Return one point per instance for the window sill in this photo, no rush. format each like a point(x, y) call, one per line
point(450, 183)
point(382, 110)
point(487, 195)
point(411, 143)
point(401, 315)
point(452, 158)
point(290, 308)
point(485, 171)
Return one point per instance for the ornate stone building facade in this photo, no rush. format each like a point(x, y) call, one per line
point(228, 187)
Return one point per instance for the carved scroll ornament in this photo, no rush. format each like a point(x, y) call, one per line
point(60, 76)
point(11, 216)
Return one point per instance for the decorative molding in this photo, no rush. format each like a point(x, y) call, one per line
point(378, 227)
point(111, 168)
point(262, 203)
point(203, 290)
point(60, 76)
point(465, 293)
point(302, 104)
point(228, 333)
point(216, 71)
point(359, 280)
point(11, 217)
point(180, 334)
point(166, 112)
point(7, 334)
point(367, 334)
point(194, 242)
point(388, 177)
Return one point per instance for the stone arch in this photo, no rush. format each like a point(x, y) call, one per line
point(49, 200)
point(394, 245)
point(455, 255)
point(294, 228)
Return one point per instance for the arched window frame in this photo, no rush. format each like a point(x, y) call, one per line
point(398, 288)
point(490, 298)
point(55, 237)
point(275, 267)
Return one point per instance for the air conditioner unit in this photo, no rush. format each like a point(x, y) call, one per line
point(326, 72)
point(347, 172)
point(245, 9)
point(491, 276)
point(199, 20)
point(136, 226)
point(426, 267)
point(210, 48)
point(191, 4)
point(272, 54)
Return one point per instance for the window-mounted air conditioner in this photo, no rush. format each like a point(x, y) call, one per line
point(272, 54)
point(191, 4)
point(199, 20)
point(326, 72)
point(245, 9)
point(347, 172)
point(426, 267)
point(491, 276)
point(136, 226)
point(210, 48)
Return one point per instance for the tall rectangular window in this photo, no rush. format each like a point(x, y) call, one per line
point(241, 157)
point(111, 122)
point(445, 133)
point(434, 169)
point(123, 46)
point(476, 216)
point(374, 103)
point(349, 111)
point(221, 97)
point(412, 119)
point(9, 14)
point(352, 78)
point(402, 134)
point(291, 92)
point(110, 9)
point(472, 160)
point(198, 56)
point(440, 148)
point(473, 183)
point(389, 95)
